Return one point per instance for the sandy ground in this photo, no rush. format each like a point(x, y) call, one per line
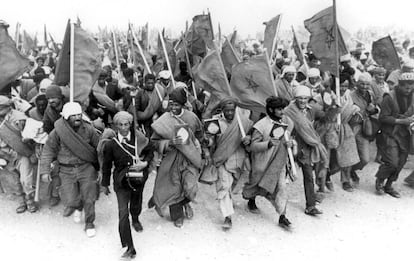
point(355, 226)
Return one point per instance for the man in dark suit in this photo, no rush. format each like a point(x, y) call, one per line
point(120, 151)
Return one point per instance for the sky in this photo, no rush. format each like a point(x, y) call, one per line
point(247, 16)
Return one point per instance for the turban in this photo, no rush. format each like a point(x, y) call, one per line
point(228, 100)
point(379, 70)
point(181, 85)
point(179, 95)
point(121, 116)
point(407, 76)
point(288, 69)
point(345, 58)
point(301, 91)
point(70, 109)
point(164, 75)
point(314, 72)
point(53, 91)
point(364, 77)
point(16, 115)
point(44, 84)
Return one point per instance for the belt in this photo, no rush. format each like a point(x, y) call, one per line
point(71, 165)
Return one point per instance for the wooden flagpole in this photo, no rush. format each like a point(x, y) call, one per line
point(72, 61)
point(336, 34)
point(166, 58)
point(116, 52)
point(274, 39)
point(141, 52)
point(305, 63)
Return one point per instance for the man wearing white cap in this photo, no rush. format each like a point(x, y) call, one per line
point(73, 143)
point(285, 84)
point(313, 81)
point(393, 78)
point(312, 153)
point(164, 81)
point(396, 117)
point(364, 99)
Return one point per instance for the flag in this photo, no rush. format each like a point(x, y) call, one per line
point(229, 56)
point(200, 35)
point(251, 83)
point(87, 63)
point(322, 40)
point(27, 43)
point(384, 53)
point(233, 38)
point(210, 76)
point(270, 34)
point(45, 36)
point(55, 46)
point(144, 41)
point(12, 63)
point(297, 49)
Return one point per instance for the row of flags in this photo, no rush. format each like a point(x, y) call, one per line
point(251, 81)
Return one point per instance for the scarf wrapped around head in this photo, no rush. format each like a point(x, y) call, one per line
point(179, 95)
point(227, 100)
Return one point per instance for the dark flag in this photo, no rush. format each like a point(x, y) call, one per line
point(270, 34)
point(87, 63)
point(297, 48)
point(200, 35)
point(322, 40)
point(384, 53)
point(229, 56)
point(12, 63)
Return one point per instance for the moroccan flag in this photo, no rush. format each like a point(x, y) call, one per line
point(229, 56)
point(270, 34)
point(210, 76)
point(12, 63)
point(27, 43)
point(252, 84)
point(87, 63)
point(200, 35)
point(322, 40)
point(384, 53)
point(297, 48)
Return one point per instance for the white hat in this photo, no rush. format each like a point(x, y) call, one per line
point(164, 74)
point(181, 85)
point(407, 76)
point(302, 90)
point(345, 58)
point(365, 77)
point(70, 109)
point(44, 84)
point(314, 72)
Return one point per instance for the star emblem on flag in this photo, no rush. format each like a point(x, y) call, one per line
point(330, 37)
point(251, 83)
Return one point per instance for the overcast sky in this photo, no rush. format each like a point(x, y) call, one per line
point(245, 15)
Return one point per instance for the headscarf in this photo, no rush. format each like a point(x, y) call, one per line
point(179, 95)
point(302, 90)
point(54, 91)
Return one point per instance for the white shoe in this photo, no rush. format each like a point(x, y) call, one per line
point(90, 232)
point(77, 216)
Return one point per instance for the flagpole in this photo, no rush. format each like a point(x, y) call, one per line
point(72, 61)
point(116, 51)
point(141, 52)
point(17, 35)
point(305, 63)
point(338, 95)
point(166, 58)
point(234, 51)
point(190, 71)
point(237, 114)
point(270, 71)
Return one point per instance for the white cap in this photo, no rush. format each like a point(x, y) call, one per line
point(70, 109)
point(345, 58)
point(314, 72)
point(44, 84)
point(302, 90)
point(365, 77)
point(164, 74)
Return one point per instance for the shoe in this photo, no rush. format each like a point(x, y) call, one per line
point(251, 206)
point(227, 223)
point(329, 185)
point(188, 211)
point(284, 222)
point(54, 201)
point(68, 211)
point(347, 187)
point(77, 216)
point(90, 230)
point(379, 186)
point(31, 206)
point(312, 211)
point(355, 178)
point(21, 208)
point(392, 192)
point(137, 226)
point(130, 253)
point(179, 222)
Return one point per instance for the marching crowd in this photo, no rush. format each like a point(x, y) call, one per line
point(135, 125)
